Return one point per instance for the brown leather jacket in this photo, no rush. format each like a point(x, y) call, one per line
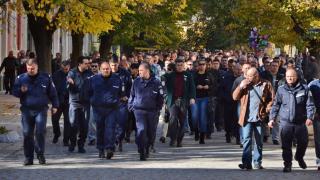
point(264, 106)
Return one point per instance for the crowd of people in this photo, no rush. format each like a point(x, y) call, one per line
point(105, 100)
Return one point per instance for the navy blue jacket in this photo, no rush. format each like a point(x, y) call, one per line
point(41, 91)
point(146, 95)
point(293, 105)
point(314, 87)
point(60, 81)
point(76, 88)
point(102, 92)
point(125, 77)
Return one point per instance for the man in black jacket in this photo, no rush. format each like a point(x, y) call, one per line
point(60, 81)
point(9, 64)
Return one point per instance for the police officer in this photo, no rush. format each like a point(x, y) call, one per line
point(104, 91)
point(123, 109)
point(92, 128)
point(315, 89)
point(294, 105)
point(60, 81)
point(35, 90)
point(77, 107)
point(146, 101)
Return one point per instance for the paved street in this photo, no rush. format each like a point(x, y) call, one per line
point(214, 160)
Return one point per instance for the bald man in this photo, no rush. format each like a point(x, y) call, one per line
point(253, 92)
point(295, 108)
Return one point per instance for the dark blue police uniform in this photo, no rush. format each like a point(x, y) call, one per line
point(146, 101)
point(34, 106)
point(104, 94)
point(123, 113)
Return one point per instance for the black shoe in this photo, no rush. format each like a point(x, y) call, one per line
point(142, 157)
point(172, 143)
point(81, 150)
point(244, 166)
point(71, 148)
point(201, 138)
point(152, 149)
point(265, 139)
point(6, 92)
point(147, 153)
point(319, 168)
point(196, 136)
point(238, 142)
point(41, 159)
point(101, 154)
point(258, 166)
point(109, 154)
point(275, 142)
point(65, 144)
point(127, 139)
point(27, 162)
point(162, 139)
point(120, 146)
point(302, 163)
point(179, 144)
point(241, 145)
point(55, 139)
point(92, 142)
point(287, 169)
point(228, 139)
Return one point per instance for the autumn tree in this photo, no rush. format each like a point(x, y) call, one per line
point(78, 16)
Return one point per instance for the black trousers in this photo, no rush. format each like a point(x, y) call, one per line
point(178, 112)
point(9, 82)
point(289, 131)
point(63, 109)
point(230, 119)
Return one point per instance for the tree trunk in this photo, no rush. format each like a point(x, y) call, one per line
point(314, 46)
point(77, 46)
point(105, 43)
point(42, 40)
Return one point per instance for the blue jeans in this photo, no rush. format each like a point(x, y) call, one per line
point(106, 124)
point(275, 131)
point(240, 128)
point(92, 127)
point(79, 125)
point(247, 130)
point(122, 120)
point(200, 114)
point(316, 129)
point(33, 120)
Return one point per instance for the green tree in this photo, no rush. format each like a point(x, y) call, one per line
point(158, 27)
point(78, 16)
